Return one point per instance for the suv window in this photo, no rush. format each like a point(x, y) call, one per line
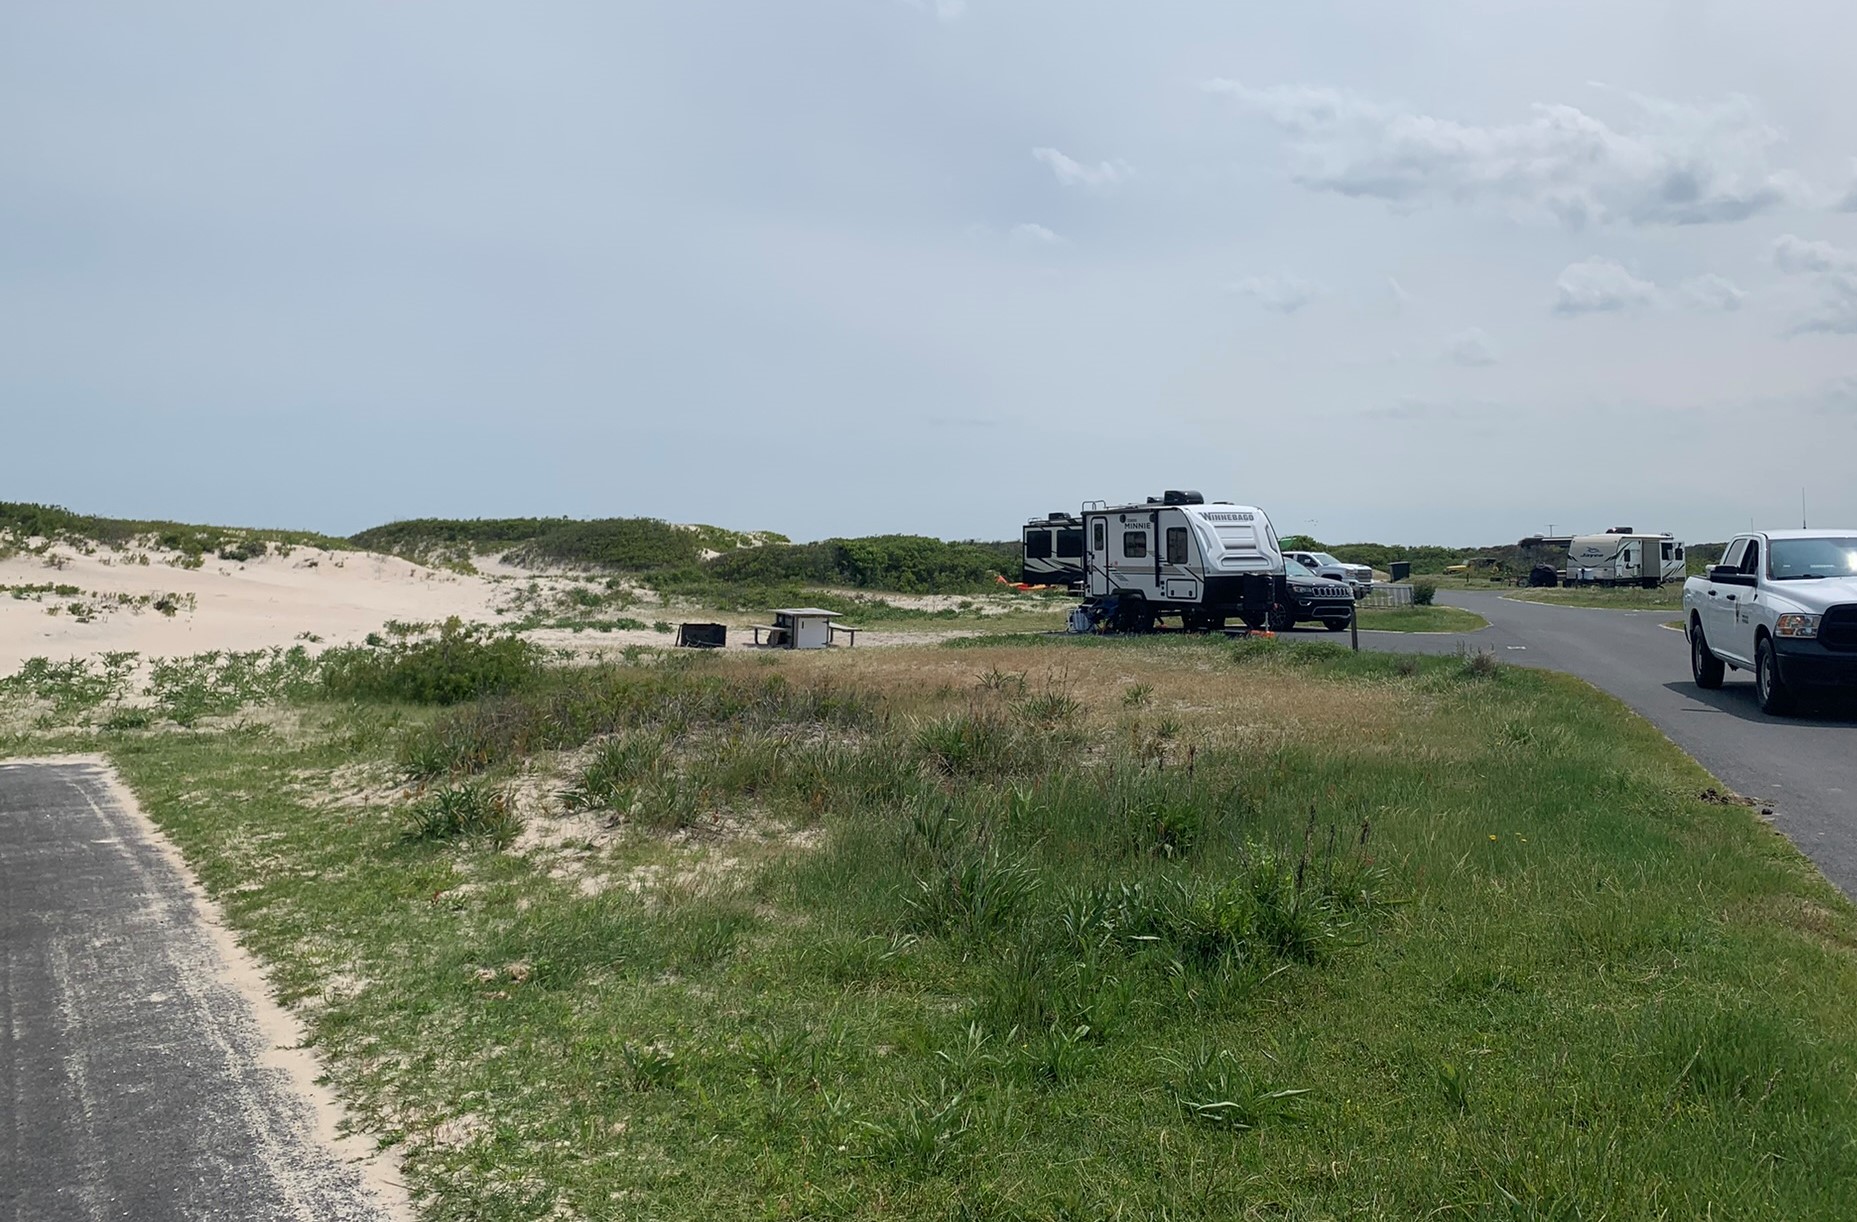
point(1176, 545)
point(1134, 544)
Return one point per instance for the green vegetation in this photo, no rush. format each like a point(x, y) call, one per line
point(1424, 593)
point(1624, 598)
point(1172, 927)
point(634, 545)
point(1426, 618)
point(194, 543)
point(459, 662)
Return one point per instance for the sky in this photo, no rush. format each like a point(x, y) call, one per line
point(1447, 271)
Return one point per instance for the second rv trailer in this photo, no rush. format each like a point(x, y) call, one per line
point(1623, 557)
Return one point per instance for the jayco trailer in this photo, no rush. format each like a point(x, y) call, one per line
point(1053, 551)
point(1176, 555)
point(1622, 556)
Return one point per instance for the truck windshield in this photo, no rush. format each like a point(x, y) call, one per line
point(1802, 559)
point(1327, 561)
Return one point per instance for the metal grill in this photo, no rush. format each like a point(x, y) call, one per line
point(1838, 630)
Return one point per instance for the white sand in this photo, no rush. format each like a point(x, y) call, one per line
point(320, 598)
point(337, 596)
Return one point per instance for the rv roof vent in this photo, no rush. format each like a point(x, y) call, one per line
point(1175, 497)
point(1057, 516)
point(1621, 530)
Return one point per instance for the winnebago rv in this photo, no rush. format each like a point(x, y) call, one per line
point(1053, 551)
point(1176, 555)
point(1622, 556)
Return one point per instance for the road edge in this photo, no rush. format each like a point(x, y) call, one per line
point(288, 1048)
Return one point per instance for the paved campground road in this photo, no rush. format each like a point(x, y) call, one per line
point(140, 1078)
point(1804, 767)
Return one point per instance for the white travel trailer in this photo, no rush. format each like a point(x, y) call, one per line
point(1622, 556)
point(1176, 555)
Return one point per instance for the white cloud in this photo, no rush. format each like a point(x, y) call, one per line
point(1596, 286)
point(1713, 292)
point(1849, 202)
point(1679, 165)
point(1075, 174)
point(1401, 298)
point(1833, 271)
point(1283, 294)
point(1471, 347)
point(1035, 234)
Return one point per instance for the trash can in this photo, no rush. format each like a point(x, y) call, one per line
point(703, 636)
point(1400, 570)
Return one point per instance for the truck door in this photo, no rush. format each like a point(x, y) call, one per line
point(1717, 623)
point(1743, 604)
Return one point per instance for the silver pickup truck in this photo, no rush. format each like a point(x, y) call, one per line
point(1782, 604)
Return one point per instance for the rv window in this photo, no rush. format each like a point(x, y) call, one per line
point(1134, 544)
point(1176, 545)
point(1070, 543)
point(1679, 552)
point(1038, 545)
point(1669, 551)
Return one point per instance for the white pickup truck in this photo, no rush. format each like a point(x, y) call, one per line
point(1782, 604)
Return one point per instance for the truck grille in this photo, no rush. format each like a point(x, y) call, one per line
point(1838, 630)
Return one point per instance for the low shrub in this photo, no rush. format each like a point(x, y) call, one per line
point(1423, 593)
point(465, 812)
point(462, 662)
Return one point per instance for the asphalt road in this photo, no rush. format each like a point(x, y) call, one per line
point(139, 1077)
point(1805, 767)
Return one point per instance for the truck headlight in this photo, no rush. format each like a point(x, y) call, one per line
point(1798, 626)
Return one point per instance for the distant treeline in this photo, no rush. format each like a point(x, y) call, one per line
point(687, 557)
point(23, 520)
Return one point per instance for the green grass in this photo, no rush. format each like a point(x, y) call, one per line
point(1666, 597)
point(1420, 619)
point(1038, 928)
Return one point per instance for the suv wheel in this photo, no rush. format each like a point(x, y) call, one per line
point(1704, 666)
point(1282, 619)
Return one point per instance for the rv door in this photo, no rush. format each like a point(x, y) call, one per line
point(1181, 562)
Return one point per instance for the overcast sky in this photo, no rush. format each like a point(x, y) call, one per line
point(1439, 271)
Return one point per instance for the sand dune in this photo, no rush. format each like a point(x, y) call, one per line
point(335, 597)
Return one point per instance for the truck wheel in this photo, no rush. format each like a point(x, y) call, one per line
point(1776, 699)
point(1706, 668)
point(1282, 619)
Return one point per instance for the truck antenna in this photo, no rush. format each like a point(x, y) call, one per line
point(1802, 525)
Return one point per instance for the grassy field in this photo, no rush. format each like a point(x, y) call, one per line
point(1421, 619)
point(1632, 598)
point(1031, 928)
